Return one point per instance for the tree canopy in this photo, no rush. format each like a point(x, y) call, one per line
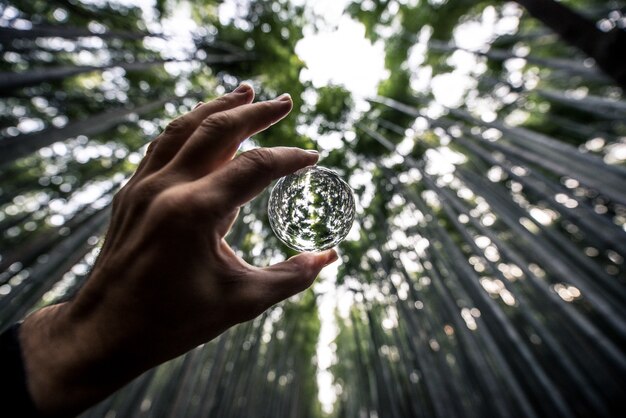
point(484, 275)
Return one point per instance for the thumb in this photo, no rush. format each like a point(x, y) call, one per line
point(292, 276)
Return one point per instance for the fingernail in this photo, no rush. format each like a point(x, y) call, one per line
point(312, 151)
point(285, 97)
point(243, 88)
point(198, 105)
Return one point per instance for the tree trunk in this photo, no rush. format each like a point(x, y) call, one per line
point(568, 66)
point(10, 81)
point(44, 275)
point(47, 31)
point(606, 48)
point(19, 146)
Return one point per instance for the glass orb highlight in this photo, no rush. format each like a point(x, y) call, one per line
point(311, 209)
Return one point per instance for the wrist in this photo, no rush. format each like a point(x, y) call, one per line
point(68, 365)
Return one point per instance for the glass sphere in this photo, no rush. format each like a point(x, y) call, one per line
point(311, 209)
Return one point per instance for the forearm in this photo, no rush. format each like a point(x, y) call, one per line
point(68, 361)
point(78, 353)
point(55, 363)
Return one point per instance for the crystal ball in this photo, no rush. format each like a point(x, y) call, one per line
point(311, 209)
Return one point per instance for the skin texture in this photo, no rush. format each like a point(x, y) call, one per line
point(166, 280)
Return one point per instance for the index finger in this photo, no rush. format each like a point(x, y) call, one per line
point(243, 178)
point(179, 130)
point(217, 138)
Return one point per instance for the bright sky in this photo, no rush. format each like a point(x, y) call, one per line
point(343, 56)
point(336, 54)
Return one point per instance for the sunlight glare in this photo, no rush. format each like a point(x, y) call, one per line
point(343, 56)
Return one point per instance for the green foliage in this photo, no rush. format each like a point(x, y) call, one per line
point(332, 108)
point(110, 15)
point(267, 31)
point(501, 276)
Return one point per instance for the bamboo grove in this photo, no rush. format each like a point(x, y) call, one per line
point(485, 274)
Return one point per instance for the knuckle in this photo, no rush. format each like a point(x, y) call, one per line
point(221, 102)
point(171, 210)
point(178, 126)
point(181, 208)
point(261, 160)
point(168, 203)
point(309, 269)
point(146, 190)
point(217, 122)
point(152, 146)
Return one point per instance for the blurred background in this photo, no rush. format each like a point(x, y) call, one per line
point(486, 145)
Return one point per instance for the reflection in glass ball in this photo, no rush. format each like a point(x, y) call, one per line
point(311, 209)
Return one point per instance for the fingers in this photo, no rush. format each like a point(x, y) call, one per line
point(217, 138)
point(180, 129)
point(292, 276)
point(241, 179)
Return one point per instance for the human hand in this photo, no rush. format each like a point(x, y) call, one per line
point(166, 280)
